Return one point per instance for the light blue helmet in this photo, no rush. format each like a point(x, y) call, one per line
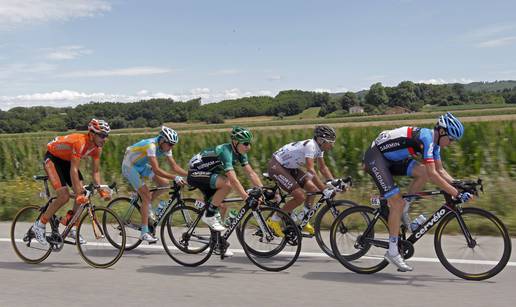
point(170, 135)
point(452, 125)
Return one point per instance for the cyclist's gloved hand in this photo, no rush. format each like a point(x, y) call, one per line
point(464, 197)
point(179, 180)
point(105, 194)
point(328, 192)
point(81, 199)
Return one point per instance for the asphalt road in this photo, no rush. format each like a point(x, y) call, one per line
point(147, 276)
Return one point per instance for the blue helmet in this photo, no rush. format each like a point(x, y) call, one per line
point(451, 125)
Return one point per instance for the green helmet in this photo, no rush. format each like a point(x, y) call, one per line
point(241, 135)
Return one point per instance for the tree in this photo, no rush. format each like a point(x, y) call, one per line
point(376, 95)
point(348, 100)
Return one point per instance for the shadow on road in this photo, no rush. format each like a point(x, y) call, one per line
point(43, 267)
point(410, 279)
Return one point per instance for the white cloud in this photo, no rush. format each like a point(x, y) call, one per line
point(490, 30)
point(126, 72)
point(274, 78)
point(73, 98)
point(322, 90)
point(225, 72)
point(10, 70)
point(17, 12)
point(443, 81)
point(498, 42)
point(67, 53)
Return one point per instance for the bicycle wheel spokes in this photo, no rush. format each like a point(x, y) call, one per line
point(266, 249)
point(355, 248)
point(185, 238)
point(132, 219)
point(323, 221)
point(22, 238)
point(484, 256)
point(99, 231)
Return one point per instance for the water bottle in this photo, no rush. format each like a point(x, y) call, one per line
point(231, 217)
point(418, 221)
point(161, 207)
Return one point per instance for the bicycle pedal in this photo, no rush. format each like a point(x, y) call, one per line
point(306, 235)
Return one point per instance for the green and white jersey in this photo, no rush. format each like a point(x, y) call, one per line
point(218, 159)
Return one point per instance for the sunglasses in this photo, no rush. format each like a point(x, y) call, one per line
point(102, 135)
point(246, 144)
point(328, 141)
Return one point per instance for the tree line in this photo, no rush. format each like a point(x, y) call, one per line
point(154, 112)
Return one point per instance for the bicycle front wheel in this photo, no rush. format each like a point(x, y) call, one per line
point(473, 244)
point(23, 239)
point(99, 231)
point(132, 219)
point(359, 241)
point(263, 247)
point(323, 221)
point(184, 237)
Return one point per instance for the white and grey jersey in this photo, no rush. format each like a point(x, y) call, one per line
point(293, 155)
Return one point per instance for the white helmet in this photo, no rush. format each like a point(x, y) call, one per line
point(170, 135)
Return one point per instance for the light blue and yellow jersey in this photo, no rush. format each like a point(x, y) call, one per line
point(138, 154)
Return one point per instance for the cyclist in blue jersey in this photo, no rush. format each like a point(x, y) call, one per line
point(392, 154)
point(141, 161)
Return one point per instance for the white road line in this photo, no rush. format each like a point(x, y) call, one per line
point(321, 255)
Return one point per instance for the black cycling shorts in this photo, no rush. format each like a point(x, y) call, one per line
point(58, 171)
point(204, 181)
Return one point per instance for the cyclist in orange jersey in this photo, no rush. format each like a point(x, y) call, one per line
point(62, 161)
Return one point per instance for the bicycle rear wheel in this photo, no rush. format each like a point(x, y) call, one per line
point(266, 250)
point(99, 231)
point(359, 250)
point(132, 219)
point(184, 237)
point(323, 221)
point(22, 238)
point(485, 256)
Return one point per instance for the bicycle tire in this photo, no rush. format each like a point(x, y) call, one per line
point(132, 239)
point(319, 218)
point(449, 264)
point(17, 218)
point(119, 228)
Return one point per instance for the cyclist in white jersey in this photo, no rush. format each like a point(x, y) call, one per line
point(285, 168)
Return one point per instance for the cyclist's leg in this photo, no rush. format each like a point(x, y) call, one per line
point(418, 172)
point(59, 177)
point(378, 167)
point(134, 176)
point(288, 181)
point(223, 187)
point(160, 182)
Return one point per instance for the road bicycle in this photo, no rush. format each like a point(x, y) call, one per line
point(94, 226)
point(192, 243)
point(471, 243)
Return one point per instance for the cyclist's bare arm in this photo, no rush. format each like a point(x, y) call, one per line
point(325, 171)
point(442, 171)
point(310, 167)
point(175, 167)
point(435, 178)
point(159, 171)
point(95, 175)
point(251, 174)
point(74, 175)
point(235, 183)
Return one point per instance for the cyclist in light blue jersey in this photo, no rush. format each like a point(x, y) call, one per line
point(140, 161)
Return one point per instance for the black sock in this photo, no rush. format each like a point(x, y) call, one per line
point(211, 210)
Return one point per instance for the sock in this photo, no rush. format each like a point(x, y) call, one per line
point(393, 245)
point(40, 225)
point(307, 208)
point(145, 229)
point(211, 210)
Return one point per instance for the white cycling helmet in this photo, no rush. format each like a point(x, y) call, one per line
point(170, 135)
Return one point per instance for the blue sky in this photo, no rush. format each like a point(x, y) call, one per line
point(66, 52)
